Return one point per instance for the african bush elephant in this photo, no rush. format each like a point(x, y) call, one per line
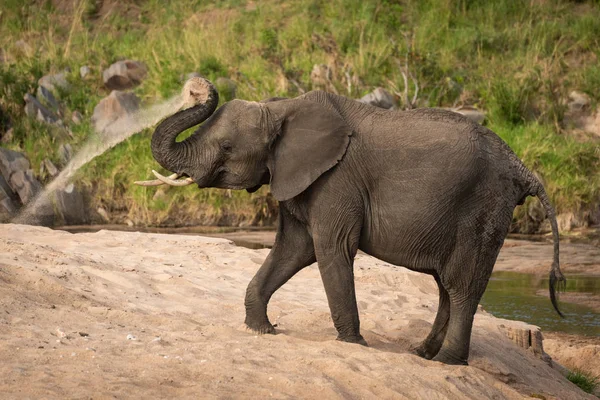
point(425, 189)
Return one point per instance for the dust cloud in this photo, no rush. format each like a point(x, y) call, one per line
point(99, 143)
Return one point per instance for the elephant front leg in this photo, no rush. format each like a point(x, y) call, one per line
point(293, 250)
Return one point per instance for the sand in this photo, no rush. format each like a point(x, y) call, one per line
point(139, 315)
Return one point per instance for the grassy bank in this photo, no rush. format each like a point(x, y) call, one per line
point(517, 60)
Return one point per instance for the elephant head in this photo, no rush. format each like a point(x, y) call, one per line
point(287, 143)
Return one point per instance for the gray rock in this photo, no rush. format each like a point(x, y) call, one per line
point(70, 206)
point(124, 75)
point(46, 97)
point(35, 109)
point(53, 82)
point(15, 169)
point(76, 117)
point(65, 151)
point(84, 71)
point(50, 167)
point(116, 105)
point(379, 98)
point(9, 201)
point(226, 88)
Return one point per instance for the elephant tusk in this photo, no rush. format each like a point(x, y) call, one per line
point(171, 181)
point(155, 182)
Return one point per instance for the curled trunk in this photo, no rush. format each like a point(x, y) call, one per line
point(169, 153)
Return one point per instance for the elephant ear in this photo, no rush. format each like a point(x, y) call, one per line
point(311, 140)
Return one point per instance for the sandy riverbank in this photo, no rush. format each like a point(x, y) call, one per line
point(147, 315)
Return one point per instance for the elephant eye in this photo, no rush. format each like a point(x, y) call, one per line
point(226, 146)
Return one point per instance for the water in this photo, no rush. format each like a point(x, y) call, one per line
point(512, 295)
point(112, 135)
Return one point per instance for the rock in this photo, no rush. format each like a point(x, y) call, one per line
point(19, 187)
point(471, 113)
point(65, 152)
point(131, 337)
point(84, 71)
point(15, 169)
point(50, 167)
point(46, 97)
point(379, 98)
point(54, 82)
point(76, 117)
point(9, 201)
point(226, 88)
point(35, 109)
point(70, 206)
point(113, 107)
point(578, 101)
point(103, 214)
point(124, 75)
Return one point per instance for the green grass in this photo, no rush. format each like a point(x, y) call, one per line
point(518, 60)
point(586, 382)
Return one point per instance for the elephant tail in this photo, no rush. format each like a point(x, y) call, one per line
point(558, 282)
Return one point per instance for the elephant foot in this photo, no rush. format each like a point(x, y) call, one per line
point(427, 352)
point(353, 339)
point(261, 328)
point(447, 358)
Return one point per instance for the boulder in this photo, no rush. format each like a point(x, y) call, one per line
point(35, 109)
point(53, 82)
point(124, 75)
point(15, 169)
point(19, 186)
point(65, 151)
point(379, 98)
point(113, 107)
point(49, 167)
point(9, 201)
point(46, 97)
point(84, 71)
point(70, 206)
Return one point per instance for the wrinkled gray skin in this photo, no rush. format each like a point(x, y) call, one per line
point(425, 189)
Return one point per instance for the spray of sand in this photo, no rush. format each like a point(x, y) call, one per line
point(112, 135)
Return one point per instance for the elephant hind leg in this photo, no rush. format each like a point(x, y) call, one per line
point(465, 277)
point(432, 344)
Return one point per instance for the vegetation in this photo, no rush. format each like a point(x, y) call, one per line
point(586, 382)
point(517, 60)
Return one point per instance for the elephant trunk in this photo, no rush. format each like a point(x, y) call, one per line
point(169, 153)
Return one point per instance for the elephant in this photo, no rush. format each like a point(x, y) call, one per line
point(425, 189)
